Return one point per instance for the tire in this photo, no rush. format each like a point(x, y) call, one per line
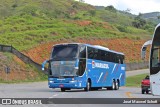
point(147, 91)
point(88, 86)
point(143, 91)
point(116, 85)
point(63, 89)
point(112, 87)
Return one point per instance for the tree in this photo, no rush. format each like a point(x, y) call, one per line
point(139, 22)
point(92, 12)
point(127, 10)
point(158, 17)
point(111, 8)
point(81, 1)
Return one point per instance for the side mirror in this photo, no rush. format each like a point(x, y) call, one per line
point(144, 47)
point(143, 53)
point(43, 64)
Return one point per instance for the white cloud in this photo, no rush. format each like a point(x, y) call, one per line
point(136, 6)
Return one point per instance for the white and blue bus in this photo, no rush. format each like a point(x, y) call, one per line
point(76, 66)
point(154, 63)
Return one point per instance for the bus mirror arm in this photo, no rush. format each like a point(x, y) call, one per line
point(43, 64)
point(143, 49)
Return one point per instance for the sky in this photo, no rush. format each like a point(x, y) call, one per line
point(135, 6)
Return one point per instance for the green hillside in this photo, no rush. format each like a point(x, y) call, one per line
point(32, 26)
point(27, 23)
point(41, 8)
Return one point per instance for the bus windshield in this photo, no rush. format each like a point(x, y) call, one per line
point(65, 52)
point(63, 68)
point(63, 60)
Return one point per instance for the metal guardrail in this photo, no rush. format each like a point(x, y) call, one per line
point(26, 59)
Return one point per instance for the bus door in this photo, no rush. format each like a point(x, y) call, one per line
point(82, 60)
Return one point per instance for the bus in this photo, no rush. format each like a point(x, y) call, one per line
point(77, 66)
point(154, 62)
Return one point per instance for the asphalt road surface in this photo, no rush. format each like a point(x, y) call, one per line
point(137, 72)
point(41, 90)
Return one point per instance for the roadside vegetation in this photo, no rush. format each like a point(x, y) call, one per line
point(34, 26)
point(135, 81)
point(25, 24)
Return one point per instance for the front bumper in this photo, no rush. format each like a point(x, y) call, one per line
point(75, 85)
point(145, 87)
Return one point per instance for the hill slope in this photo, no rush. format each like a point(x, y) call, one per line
point(28, 24)
point(19, 71)
point(41, 8)
point(34, 26)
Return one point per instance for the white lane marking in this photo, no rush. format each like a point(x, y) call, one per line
point(114, 67)
point(53, 96)
point(100, 77)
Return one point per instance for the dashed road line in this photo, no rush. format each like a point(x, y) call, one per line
point(129, 95)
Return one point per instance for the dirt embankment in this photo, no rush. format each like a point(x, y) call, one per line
point(18, 69)
point(131, 48)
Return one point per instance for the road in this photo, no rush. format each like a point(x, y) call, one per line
point(41, 90)
point(137, 72)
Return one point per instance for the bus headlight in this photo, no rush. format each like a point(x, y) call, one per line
point(73, 81)
point(51, 81)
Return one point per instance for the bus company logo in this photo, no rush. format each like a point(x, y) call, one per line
point(93, 64)
point(99, 65)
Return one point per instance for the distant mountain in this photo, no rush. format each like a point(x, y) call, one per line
point(153, 17)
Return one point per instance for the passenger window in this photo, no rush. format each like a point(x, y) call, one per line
point(82, 52)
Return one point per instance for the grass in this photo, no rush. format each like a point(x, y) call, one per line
point(27, 31)
point(25, 24)
point(21, 81)
point(135, 81)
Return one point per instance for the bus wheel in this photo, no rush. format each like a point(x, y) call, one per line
point(88, 86)
point(112, 87)
point(116, 85)
point(63, 89)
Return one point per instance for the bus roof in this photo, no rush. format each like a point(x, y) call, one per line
point(93, 46)
point(157, 26)
point(104, 48)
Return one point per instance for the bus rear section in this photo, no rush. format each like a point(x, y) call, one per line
point(105, 68)
point(72, 67)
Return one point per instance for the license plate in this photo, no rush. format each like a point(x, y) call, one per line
point(61, 85)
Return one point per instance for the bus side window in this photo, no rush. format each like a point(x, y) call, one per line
point(112, 57)
point(82, 52)
point(90, 53)
point(96, 55)
point(107, 57)
point(102, 55)
point(122, 59)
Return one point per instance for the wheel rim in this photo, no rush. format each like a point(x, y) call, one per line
point(88, 86)
point(117, 86)
point(113, 85)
